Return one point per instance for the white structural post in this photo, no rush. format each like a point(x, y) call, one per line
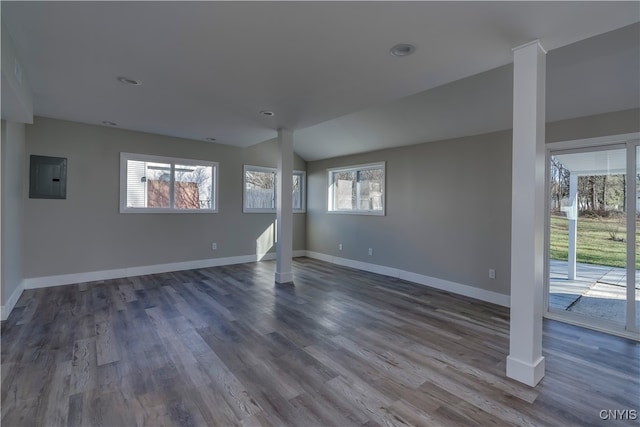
point(525, 362)
point(572, 216)
point(284, 206)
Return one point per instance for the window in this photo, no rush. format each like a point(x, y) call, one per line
point(260, 189)
point(357, 189)
point(298, 191)
point(163, 184)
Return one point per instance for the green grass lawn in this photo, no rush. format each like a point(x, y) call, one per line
point(594, 241)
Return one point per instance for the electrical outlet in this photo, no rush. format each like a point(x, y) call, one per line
point(492, 273)
point(340, 246)
point(370, 251)
point(214, 246)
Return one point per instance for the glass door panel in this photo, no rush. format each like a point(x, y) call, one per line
point(635, 284)
point(587, 236)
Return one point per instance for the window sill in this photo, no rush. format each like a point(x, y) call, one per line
point(167, 211)
point(269, 211)
point(370, 213)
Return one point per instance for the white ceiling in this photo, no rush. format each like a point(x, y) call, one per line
point(208, 68)
point(597, 75)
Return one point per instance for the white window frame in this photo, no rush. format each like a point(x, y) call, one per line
point(356, 168)
point(303, 190)
point(124, 157)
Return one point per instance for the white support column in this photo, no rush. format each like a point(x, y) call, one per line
point(572, 216)
point(525, 362)
point(284, 203)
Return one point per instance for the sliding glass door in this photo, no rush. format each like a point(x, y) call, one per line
point(633, 295)
point(592, 238)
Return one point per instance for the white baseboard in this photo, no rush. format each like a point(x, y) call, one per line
point(270, 256)
point(321, 257)
point(6, 309)
point(433, 282)
point(525, 372)
point(67, 279)
point(92, 276)
point(286, 277)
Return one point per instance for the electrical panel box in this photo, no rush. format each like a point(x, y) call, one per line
point(47, 177)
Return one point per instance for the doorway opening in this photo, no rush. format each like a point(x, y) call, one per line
point(592, 234)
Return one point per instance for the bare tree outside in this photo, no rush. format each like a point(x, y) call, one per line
point(149, 185)
point(359, 189)
point(598, 195)
point(297, 192)
point(156, 178)
point(371, 183)
point(601, 212)
point(559, 183)
point(260, 189)
point(345, 192)
point(193, 186)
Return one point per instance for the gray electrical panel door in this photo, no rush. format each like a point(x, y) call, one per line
point(48, 177)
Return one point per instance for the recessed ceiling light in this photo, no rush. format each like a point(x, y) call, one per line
point(402, 49)
point(210, 139)
point(108, 123)
point(267, 113)
point(128, 81)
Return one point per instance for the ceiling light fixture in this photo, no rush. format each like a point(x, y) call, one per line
point(130, 82)
point(402, 49)
point(267, 113)
point(210, 139)
point(108, 123)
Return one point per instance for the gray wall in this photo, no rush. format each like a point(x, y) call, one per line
point(17, 98)
point(457, 240)
point(448, 210)
point(86, 232)
point(12, 185)
point(448, 204)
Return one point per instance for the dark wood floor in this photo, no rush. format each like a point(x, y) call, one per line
point(225, 346)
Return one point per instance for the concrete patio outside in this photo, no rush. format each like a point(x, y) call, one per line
point(597, 291)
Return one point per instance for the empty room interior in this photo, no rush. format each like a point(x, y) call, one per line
point(320, 213)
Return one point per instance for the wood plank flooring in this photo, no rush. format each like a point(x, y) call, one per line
point(225, 346)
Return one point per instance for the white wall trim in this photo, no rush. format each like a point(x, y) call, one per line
point(331, 209)
point(303, 193)
point(92, 276)
point(68, 279)
point(527, 373)
point(6, 309)
point(592, 142)
point(172, 161)
point(433, 282)
point(607, 327)
point(286, 277)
